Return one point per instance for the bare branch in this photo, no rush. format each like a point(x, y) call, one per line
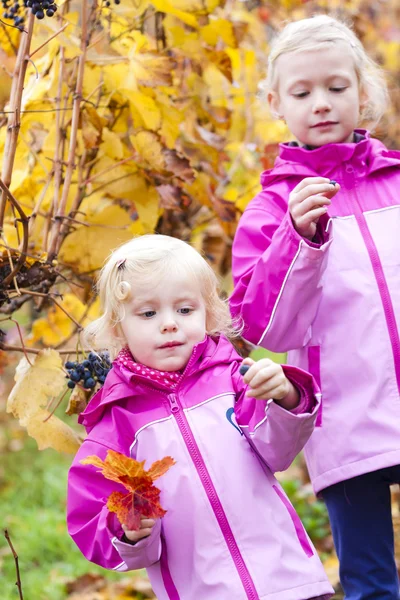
point(14, 118)
point(24, 220)
point(15, 555)
point(49, 40)
point(57, 224)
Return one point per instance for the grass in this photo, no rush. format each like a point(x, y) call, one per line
point(32, 508)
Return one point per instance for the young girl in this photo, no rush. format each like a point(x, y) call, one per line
point(316, 267)
point(230, 532)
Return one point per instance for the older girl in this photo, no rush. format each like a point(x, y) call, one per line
point(316, 266)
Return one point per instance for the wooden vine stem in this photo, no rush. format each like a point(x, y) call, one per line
point(14, 118)
point(56, 239)
point(15, 555)
point(25, 228)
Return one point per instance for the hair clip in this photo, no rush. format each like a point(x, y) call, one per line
point(121, 264)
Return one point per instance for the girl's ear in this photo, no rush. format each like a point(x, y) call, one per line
point(274, 104)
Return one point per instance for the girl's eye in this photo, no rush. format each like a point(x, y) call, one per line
point(300, 94)
point(185, 311)
point(148, 314)
point(338, 89)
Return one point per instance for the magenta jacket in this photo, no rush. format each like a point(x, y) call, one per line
point(334, 305)
point(230, 532)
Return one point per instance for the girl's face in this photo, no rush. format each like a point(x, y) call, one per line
point(163, 322)
point(318, 95)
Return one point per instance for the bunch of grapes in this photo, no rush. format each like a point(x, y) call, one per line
point(92, 370)
point(16, 9)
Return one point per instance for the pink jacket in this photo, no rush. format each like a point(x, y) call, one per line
point(334, 305)
point(230, 532)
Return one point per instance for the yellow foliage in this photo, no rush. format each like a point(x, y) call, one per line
point(112, 145)
point(57, 325)
point(87, 248)
point(150, 149)
point(217, 30)
point(146, 107)
point(35, 385)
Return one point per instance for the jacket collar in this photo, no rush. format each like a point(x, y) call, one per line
point(121, 383)
point(294, 160)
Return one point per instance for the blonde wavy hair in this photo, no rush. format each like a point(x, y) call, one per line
point(317, 32)
point(144, 260)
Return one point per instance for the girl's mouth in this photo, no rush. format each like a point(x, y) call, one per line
point(171, 344)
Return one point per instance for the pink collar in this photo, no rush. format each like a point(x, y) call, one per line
point(166, 378)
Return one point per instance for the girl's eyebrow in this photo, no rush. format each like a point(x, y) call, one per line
point(337, 75)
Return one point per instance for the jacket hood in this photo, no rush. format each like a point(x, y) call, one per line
point(294, 160)
point(121, 383)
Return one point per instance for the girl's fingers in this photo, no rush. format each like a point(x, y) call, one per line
point(262, 376)
point(311, 192)
point(309, 181)
point(147, 523)
point(311, 217)
point(277, 390)
point(310, 204)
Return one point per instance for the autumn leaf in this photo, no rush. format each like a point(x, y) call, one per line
point(36, 384)
point(143, 498)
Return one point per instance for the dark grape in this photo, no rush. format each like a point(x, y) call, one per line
point(90, 371)
point(15, 10)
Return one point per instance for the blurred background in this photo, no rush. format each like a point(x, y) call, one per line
point(117, 119)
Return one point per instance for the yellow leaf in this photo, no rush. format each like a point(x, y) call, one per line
point(147, 109)
point(219, 86)
point(166, 7)
point(35, 385)
point(87, 247)
point(151, 69)
point(149, 148)
point(216, 30)
point(52, 433)
point(112, 145)
point(145, 200)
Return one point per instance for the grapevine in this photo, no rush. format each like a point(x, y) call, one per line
point(91, 371)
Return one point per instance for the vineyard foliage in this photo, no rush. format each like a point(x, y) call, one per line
point(126, 119)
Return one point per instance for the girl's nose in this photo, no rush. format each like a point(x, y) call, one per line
point(169, 326)
point(321, 103)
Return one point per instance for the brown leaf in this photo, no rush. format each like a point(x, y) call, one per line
point(171, 196)
point(179, 165)
point(77, 401)
point(222, 61)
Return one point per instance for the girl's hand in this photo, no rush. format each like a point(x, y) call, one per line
point(309, 201)
point(146, 526)
point(267, 380)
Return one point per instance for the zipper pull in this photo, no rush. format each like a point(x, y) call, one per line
point(173, 403)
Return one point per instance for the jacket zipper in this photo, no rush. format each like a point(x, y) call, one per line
point(208, 485)
point(381, 282)
point(212, 495)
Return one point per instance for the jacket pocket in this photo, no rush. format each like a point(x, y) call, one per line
point(298, 525)
point(169, 584)
point(314, 367)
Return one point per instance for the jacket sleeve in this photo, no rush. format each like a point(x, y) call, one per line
point(96, 531)
point(277, 435)
point(277, 278)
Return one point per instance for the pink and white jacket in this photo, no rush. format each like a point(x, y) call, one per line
point(334, 305)
point(230, 532)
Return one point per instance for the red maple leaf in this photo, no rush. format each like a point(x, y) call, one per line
point(143, 497)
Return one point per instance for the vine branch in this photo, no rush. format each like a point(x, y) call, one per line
point(15, 555)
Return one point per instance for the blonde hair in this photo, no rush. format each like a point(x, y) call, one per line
point(319, 31)
point(145, 259)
